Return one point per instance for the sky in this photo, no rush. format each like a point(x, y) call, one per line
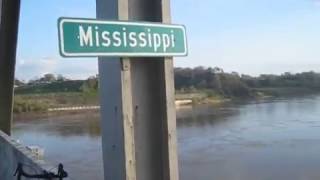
point(247, 36)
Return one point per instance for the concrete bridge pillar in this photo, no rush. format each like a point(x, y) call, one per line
point(9, 17)
point(137, 103)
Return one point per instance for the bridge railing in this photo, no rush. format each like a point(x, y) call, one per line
point(12, 153)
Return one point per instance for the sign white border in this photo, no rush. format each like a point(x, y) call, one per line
point(118, 54)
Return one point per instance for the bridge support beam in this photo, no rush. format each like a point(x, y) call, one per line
point(137, 103)
point(9, 17)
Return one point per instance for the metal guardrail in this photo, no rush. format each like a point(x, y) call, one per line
point(61, 174)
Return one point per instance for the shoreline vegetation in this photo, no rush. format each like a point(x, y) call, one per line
point(201, 85)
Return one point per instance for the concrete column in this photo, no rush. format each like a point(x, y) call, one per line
point(137, 103)
point(9, 10)
point(0, 11)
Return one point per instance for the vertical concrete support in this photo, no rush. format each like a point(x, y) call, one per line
point(9, 10)
point(137, 99)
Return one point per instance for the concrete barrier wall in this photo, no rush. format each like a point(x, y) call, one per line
point(76, 108)
point(178, 102)
point(190, 96)
point(12, 153)
point(183, 102)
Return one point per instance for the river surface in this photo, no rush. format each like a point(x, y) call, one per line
point(266, 140)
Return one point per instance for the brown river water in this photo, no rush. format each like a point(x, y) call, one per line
point(266, 140)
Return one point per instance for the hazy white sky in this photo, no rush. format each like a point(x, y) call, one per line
point(247, 36)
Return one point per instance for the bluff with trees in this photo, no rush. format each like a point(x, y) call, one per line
point(215, 80)
point(235, 85)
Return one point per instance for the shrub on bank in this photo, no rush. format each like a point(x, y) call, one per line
point(22, 106)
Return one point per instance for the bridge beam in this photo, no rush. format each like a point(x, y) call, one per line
point(9, 17)
point(137, 103)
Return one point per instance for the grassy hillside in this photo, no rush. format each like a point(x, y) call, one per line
point(41, 102)
point(42, 96)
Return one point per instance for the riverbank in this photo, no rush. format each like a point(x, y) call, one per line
point(30, 116)
point(54, 102)
point(212, 97)
point(42, 103)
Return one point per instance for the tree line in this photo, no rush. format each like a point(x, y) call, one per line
point(50, 83)
point(235, 85)
point(229, 84)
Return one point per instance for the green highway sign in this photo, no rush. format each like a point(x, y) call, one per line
point(91, 38)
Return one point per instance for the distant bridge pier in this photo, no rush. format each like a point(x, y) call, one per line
point(137, 103)
point(9, 17)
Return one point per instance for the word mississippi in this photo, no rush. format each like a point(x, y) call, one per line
point(92, 36)
point(97, 38)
